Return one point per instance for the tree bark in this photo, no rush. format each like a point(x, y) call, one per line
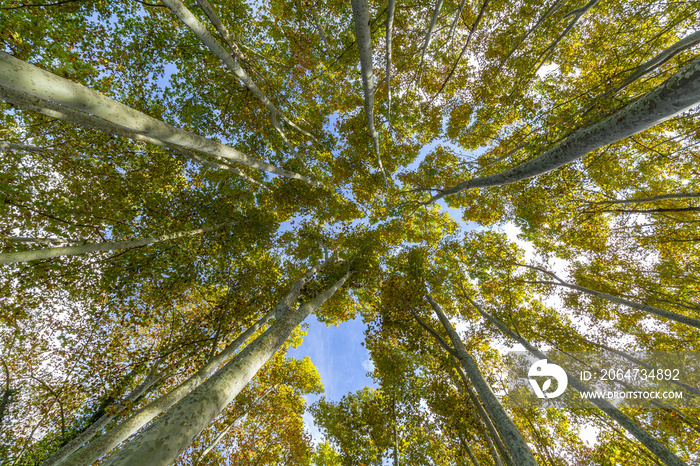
point(577, 13)
point(50, 109)
point(677, 94)
point(167, 437)
point(103, 421)
point(493, 440)
point(26, 256)
point(28, 79)
point(661, 58)
point(653, 445)
point(7, 146)
point(391, 7)
point(453, 26)
point(191, 21)
point(641, 200)
point(100, 446)
point(363, 36)
point(428, 38)
point(464, 48)
point(640, 307)
point(483, 416)
point(513, 438)
point(555, 6)
point(469, 451)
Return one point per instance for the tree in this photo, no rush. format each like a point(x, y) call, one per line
point(175, 204)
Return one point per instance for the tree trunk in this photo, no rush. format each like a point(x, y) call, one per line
point(100, 446)
point(363, 35)
point(428, 37)
point(653, 445)
point(103, 421)
point(641, 200)
point(677, 94)
point(191, 21)
point(25, 256)
point(50, 109)
point(176, 429)
point(389, 26)
point(483, 417)
point(661, 58)
point(512, 436)
point(493, 440)
point(464, 48)
point(231, 424)
point(20, 76)
point(469, 451)
point(640, 307)
point(7, 146)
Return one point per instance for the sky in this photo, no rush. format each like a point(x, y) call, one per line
point(342, 362)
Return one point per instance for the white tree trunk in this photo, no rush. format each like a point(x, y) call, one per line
point(167, 437)
point(428, 37)
point(661, 58)
point(60, 112)
point(23, 77)
point(103, 421)
point(191, 21)
point(25, 256)
point(640, 307)
point(677, 94)
point(7, 146)
point(642, 200)
point(391, 7)
point(100, 446)
point(513, 438)
point(363, 36)
point(653, 445)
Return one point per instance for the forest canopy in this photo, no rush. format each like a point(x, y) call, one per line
point(183, 183)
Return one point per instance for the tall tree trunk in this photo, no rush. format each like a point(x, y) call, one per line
point(483, 416)
point(396, 431)
point(513, 438)
point(176, 429)
point(100, 446)
point(641, 200)
point(53, 110)
point(555, 6)
point(640, 307)
point(363, 36)
point(20, 76)
point(684, 44)
point(493, 440)
point(464, 48)
point(391, 7)
point(230, 425)
point(428, 37)
point(25, 256)
point(469, 451)
point(657, 448)
point(103, 421)
point(191, 21)
point(7, 146)
point(677, 94)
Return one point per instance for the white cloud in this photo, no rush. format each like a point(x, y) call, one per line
point(368, 364)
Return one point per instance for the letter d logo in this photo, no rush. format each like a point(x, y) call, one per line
point(545, 369)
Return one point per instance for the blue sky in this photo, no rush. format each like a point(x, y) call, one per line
point(340, 358)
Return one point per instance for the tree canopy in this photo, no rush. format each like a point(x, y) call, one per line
point(182, 183)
